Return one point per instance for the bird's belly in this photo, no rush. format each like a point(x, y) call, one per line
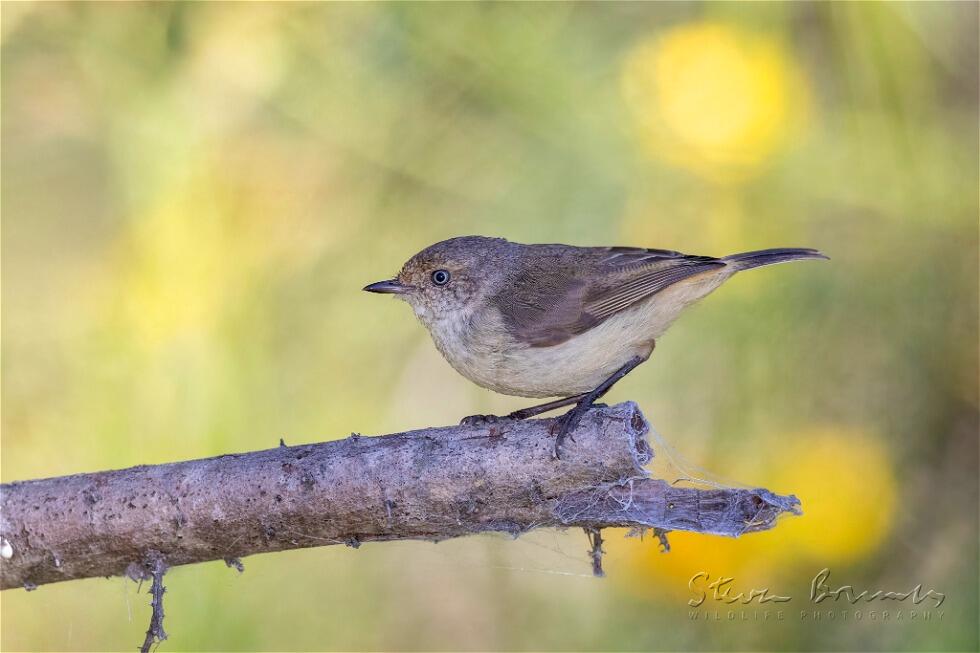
point(555, 371)
point(575, 366)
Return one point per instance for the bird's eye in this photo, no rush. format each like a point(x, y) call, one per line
point(440, 277)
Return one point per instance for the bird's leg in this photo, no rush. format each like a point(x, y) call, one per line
point(567, 422)
point(523, 413)
point(531, 411)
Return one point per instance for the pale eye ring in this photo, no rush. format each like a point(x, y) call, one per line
point(440, 277)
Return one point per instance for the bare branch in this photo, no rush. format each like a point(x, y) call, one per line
point(596, 551)
point(155, 569)
point(429, 484)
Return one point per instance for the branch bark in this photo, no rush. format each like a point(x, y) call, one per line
point(430, 484)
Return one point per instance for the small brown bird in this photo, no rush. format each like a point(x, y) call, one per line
point(556, 320)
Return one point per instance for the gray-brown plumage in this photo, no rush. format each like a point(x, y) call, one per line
point(556, 320)
point(545, 304)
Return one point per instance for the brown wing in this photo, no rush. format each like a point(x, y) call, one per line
point(559, 292)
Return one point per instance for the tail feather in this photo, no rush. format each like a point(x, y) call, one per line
point(749, 260)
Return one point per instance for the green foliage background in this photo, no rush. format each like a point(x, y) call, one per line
point(193, 195)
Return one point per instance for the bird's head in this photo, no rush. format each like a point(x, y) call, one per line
point(448, 279)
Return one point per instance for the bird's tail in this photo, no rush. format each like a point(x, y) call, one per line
point(749, 260)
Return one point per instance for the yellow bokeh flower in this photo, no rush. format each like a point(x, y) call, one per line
point(186, 260)
point(849, 492)
point(714, 99)
point(843, 478)
point(192, 257)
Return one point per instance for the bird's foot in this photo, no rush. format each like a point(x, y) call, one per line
point(484, 420)
point(565, 424)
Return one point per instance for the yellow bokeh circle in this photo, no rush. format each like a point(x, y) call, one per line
point(713, 98)
point(843, 477)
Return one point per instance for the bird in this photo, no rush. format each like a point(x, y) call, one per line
point(553, 320)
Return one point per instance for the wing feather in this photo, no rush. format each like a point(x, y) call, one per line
point(635, 285)
point(558, 293)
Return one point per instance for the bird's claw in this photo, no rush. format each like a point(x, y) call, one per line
point(565, 425)
point(482, 420)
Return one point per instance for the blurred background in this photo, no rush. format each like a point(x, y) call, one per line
point(194, 194)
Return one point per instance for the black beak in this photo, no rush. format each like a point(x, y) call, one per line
point(390, 287)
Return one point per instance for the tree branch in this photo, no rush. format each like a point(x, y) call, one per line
point(155, 569)
point(430, 484)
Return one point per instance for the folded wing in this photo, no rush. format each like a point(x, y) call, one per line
point(553, 298)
